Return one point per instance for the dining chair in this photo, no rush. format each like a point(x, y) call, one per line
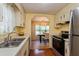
point(46, 38)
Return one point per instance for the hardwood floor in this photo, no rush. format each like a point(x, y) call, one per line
point(42, 49)
point(42, 52)
point(37, 45)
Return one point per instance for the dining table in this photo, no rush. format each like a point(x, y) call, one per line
point(40, 37)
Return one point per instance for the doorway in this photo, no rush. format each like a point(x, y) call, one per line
point(40, 26)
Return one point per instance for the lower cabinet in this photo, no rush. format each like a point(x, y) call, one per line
point(67, 53)
point(24, 51)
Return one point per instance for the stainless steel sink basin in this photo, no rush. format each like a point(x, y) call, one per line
point(18, 39)
point(11, 43)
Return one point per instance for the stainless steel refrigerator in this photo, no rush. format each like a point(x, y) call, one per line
point(74, 33)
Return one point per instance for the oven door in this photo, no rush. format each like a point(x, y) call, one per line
point(58, 44)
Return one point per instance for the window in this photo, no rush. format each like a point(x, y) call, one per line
point(7, 23)
point(39, 29)
point(8, 18)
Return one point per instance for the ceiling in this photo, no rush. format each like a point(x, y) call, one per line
point(46, 8)
point(37, 18)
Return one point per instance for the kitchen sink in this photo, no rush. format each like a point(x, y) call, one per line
point(11, 43)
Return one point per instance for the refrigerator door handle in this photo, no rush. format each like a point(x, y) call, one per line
point(75, 35)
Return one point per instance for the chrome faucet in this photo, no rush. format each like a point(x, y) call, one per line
point(9, 37)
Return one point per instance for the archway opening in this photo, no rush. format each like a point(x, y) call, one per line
point(40, 30)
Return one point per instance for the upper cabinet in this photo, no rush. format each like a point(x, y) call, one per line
point(62, 17)
point(66, 16)
point(19, 20)
point(57, 20)
point(20, 17)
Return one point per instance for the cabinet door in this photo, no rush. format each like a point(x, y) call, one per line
point(67, 49)
point(60, 19)
point(19, 20)
point(66, 16)
point(57, 19)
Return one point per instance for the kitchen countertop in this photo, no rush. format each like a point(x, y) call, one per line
point(14, 50)
point(59, 37)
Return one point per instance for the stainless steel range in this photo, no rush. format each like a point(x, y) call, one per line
point(59, 43)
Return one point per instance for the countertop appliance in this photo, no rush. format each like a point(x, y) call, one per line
point(65, 34)
point(74, 33)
